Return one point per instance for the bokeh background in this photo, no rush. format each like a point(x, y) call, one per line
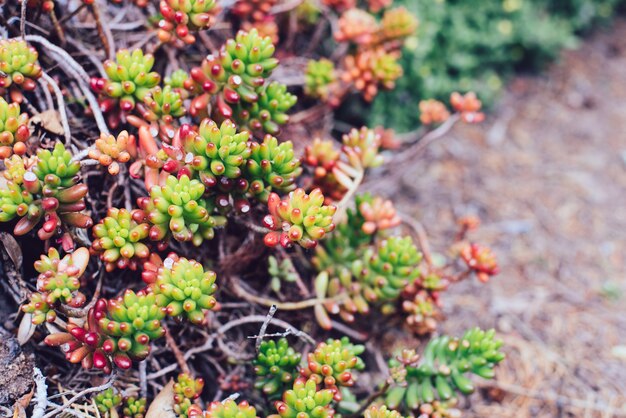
point(546, 174)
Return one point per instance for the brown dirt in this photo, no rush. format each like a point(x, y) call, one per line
point(547, 176)
point(16, 376)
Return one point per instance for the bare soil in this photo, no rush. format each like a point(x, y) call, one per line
point(547, 176)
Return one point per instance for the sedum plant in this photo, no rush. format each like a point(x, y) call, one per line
point(230, 409)
point(129, 78)
point(305, 400)
point(14, 131)
point(275, 366)
point(134, 407)
point(181, 17)
point(331, 364)
point(186, 391)
point(380, 411)
point(18, 60)
point(301, 218)
point(107, 402)
point(442, 371)
point(182, 287)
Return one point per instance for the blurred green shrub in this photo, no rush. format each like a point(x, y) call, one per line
point(475, 45)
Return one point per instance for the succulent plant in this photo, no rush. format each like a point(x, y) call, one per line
point(253, 10)
point(44, 188)
point(276, 364)
point(380, 411)
point(377, 213)
point(14, 130)
point(305, 400)
point(468, 106)
point(56, 169)
point(281, 272)
point(357, 26)
point(361, 147)
point(371, 69)
point(110, 151)
point(180, 17)
point(129, 78)
point(331, 364)
point(218, 151)
point(376, 6)
point(443, 368)
point(433, 112)
point(118, 239)
point(386, 270)
point(176, 81)
point(397, 24)
point(300, 217)
point(183, 287)
point(177, 208)
point(59, 277)
point(130, 322)
point(238, 71)
point(18, 61)
point(269, 111)
point(422, 311)
point(134, 407)
point(322, 156)
point(319, 78)
point(480, 260)
point(163, 105)
point(40, 310)
point(272, 166)
point(108, 401)
point(230, 409)
point(186, 391)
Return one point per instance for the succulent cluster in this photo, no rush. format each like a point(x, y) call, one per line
point(129, 79)
point(443, 368)
point(480, 260)
point(107, 401)
point(110, 151)
point(182, 17)
point(184, 288)
point(18, 63)
point(301, 218)
point(305, 400)
point(275, 365)
point(14, 130)
point(119, 239)
point(46, 189)
point(331, 364)
point(186, 391)
point(320, 79)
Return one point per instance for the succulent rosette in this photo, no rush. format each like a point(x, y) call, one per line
point(180, 17)
point(110, 151)
point(183, 287)
point(331, 364)
point(134, 407)
point(300, 217)
point(272, 166)
point(305, 400)
point(319, 78)
point(107, 402)
point(118, 239)
point(269, 111)
point(275, 365)
point(14, 130)
point(18, 61)
point(129, 78)
point(130, 322)
point(178, 209)
point(186, 391)
point(230, 409)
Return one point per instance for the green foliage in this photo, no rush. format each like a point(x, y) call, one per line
point(388, 269)
point(272, 166)
point(134, 407)
point(376, 411)
point(269, 111)
point(443, 368)
point(186, 390)
point(129, 77)
point(108, 401)
point(118, 239)
point(275, 365)
point(163, 104)
point(461, 46)
point(281, 272)
point(18, 61)
point(230, 409)
point(56, 169)
point(319, 76)
point(332, 362)
point(177, 208)
point(184, 288)
point(131, 321)
point(304, 400)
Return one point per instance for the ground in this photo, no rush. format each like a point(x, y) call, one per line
point(547, 176)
